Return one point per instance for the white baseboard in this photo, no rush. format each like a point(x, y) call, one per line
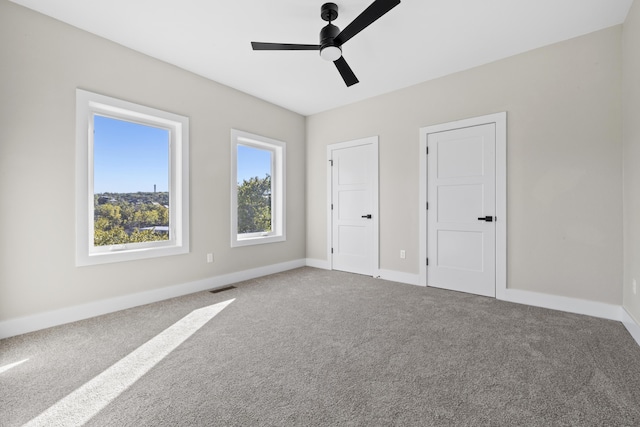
point(569, 305)
point(391, 275)
point(318, 263)
point(399, 276)
point(23, 325)
point(632, 326)
point(36, 322)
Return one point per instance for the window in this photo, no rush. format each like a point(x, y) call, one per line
point(257, 190)
point(132, 177)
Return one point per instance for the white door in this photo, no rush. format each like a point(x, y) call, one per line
point(354, 208)
point(461, 189)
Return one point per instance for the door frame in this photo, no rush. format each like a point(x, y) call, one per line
point(500, 121)
point(375, 253)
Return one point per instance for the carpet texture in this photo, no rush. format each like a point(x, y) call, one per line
point(313, 347)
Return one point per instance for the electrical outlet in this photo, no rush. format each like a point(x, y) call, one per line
point(634, 287)
point(403, 254)
point(209, 258)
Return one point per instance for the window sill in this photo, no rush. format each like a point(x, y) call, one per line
point(98, 258)
point(257, 240)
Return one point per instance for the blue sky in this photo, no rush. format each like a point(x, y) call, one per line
point(252, 162)
point(130, 157)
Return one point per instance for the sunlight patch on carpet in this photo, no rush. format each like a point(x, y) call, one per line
point(5, 368)
point(81, 405)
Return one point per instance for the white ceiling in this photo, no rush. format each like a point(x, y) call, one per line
point(416, 41)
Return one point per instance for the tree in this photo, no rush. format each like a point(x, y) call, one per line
point(111, 236)
point(109, 212)
point(140, 236)
point(146, 218)
point(120, 218)
point(254, 205)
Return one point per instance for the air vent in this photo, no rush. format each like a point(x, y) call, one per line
point(226, 288)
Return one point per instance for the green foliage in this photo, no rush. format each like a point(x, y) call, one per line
point(109, 212)
point(139, 236)
point(110, 236)
point(254, 205)
point(119, 218)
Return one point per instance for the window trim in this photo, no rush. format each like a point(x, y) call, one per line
point(278, 162)
point(89, 104)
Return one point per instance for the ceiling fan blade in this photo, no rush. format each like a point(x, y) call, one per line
point(345, 71)
point(283, 46)
point(366, 18)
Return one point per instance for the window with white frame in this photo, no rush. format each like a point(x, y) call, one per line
point(132, 181)
point(257, 190)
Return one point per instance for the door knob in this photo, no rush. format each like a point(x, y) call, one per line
point(486, 218)
point(367, 216)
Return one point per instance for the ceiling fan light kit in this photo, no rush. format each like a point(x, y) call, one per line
point(332, 39)
point(330, 53)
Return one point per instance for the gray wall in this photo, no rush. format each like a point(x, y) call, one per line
point(631, 142)
point(42, 62)
point(564, 162)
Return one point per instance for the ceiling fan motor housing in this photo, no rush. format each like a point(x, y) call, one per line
point(328, 34)
point(329, 49)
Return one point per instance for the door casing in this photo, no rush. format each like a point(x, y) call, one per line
point(500, 121)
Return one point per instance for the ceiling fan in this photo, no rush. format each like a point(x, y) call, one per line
point(332, 39)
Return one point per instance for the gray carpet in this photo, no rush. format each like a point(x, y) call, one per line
point(314, 347)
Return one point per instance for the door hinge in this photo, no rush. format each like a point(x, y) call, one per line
point(331, 250)
point(427, 205)
point(331, 162)
point(427, 150)
point(331, 206)
point(427, 261)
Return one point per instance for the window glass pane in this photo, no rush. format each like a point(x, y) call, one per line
point(131, 182)
point(254, 190)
